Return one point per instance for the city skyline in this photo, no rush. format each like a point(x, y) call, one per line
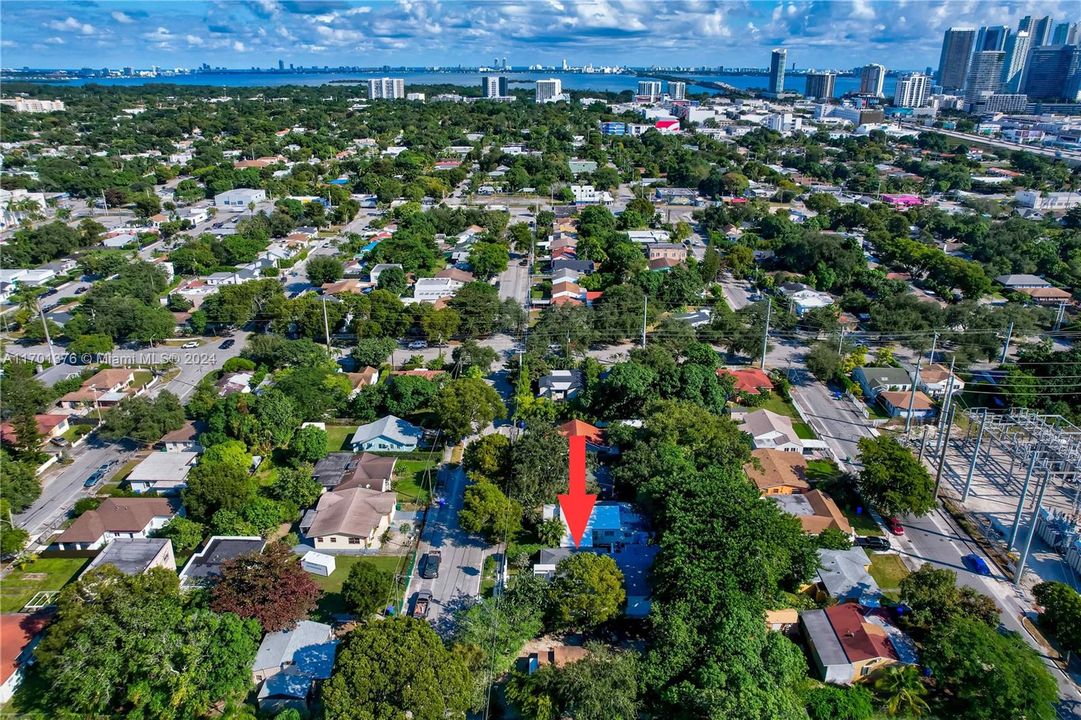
point(902, 35)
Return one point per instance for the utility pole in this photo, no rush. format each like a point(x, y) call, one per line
point(947, 404)
point(1059, 315)
point(765, 333)
point(645, 309)
point(1021, 502)
point(934, 345)
point(1032, 527)
point(975, 457)
point(1006, 345)
point(912, 396)
point(326, 323)
point(45, 327)
point(942, 456)
point(841, 342)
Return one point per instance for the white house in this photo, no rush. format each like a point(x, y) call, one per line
point(116, 518)
point(589, 195)
point(163, 472)
point(388, 434)
point(432, 289)
point(560, 385)
point(239, 199)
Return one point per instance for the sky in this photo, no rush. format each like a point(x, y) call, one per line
point(901, 34)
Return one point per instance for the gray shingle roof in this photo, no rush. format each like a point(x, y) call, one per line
point(391, 427)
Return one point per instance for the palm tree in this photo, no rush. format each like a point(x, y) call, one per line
point(903, 692)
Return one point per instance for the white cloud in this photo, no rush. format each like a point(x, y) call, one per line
point(238, 46)
point(193, 40)
point(55, 41)
point(71, 25)
point(122, 17)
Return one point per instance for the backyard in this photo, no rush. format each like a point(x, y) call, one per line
point(412, 481)
point(338, 436)
point(44, 574)
point(331, 603)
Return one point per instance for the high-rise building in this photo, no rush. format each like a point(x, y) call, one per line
point(649, 90)
point(912, 90)
point(677, 90)
point(991, 37)
point(494, 86)
point(984, 74)
point(777, 61)
point(281, 64)
point(872, 78)
point(1013, 67)
point(956, 53)
point(1039, 29)
point(820, 85)
point(1066, 34)
point(564, 64)
point(504, 63)
point(1053, 72)
point(386, 89)
point(550, 90)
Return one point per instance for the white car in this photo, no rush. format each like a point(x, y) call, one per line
point(190, 345)
point(417, 345)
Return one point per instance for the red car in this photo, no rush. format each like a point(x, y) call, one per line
point(895, 526)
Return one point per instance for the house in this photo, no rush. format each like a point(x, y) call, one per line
point(783, 620)
point(239, 199)
point(430, 375)
point(348, 470)
point(844, 575)
point(559, 656)
point(849, 643)
point(589, 195)
point(351, 519)
point(1021, 281)
point(663, 264)
point(347, 286)
point(805, 301)
point(135, 556)
point(235, 383)
point(388, 434)
point(456, 275)
point(114, 519)
point(367, 377)
point(611, 523)
point(162, 472)
point(318, 563)
point(897, 404)
point(288, 662)
point(560, 385)
point(432, 289)
point(378, 269)
point(1048, 295)
point(753, 381)
point(775, 472)
point(105, 388)
point(667, 251)
point(20, 633)
point(769, 430)
point(935, 381)
point(184, 439)
point(874, 380)
point(205, 566)
point(649, 237)
point(580, 266)
point(815, 511)
point(578, 428)
point(49, 427)
point(698, 318)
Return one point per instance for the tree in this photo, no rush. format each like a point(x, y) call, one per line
point(488, 457)
point(834, 539)
point(551, 532)
point(185, 534)
point(1061, 614)
point(903, 691)
point(12, 537)
point(539, 461)
point(153, 653)
point(212, 486)
point(143, 419)
point(19, 484)
point(270, 587)
point(324, 269)
point(487, 511)
point(309, 444)
point(92, 345)
point(27, 437)
point(472, 354)
point(477, 304)
point(587, 591)
point(829, 702)
point(933, 596)
point(440, 325)
point(392, 279)
point(600, 686)
point(823, 361)
point(296, 486)
point(986, 674)
point(892, 480)
point(419, 677)
point(367, 589)
point(488, 259)
point(373, 352)
point(466, 406)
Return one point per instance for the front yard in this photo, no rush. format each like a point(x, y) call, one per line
point(779, 405)
point(825, 475)
point(332, 603)
point(44, 574)
point(413, 479)
point(338, 437)
point(888, 570)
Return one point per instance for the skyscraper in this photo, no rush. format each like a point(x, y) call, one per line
point(494, 86)
point(777, 61)
point(677, 90)
point(550, 90)
point(912, 90)
point(1038, 29)
point(1054, 72)
point(953, 63)
point(1066, 34)
point(820, 85)
point(386, 89)
point(871, 79)
point(984, 75)
point(650, 90)
point(281, 64)
point(1013, 67)
point(992, 37)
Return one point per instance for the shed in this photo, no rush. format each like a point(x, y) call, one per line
point(318, 563)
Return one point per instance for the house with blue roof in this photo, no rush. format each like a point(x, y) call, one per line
point(388, 434)
point(289, 662)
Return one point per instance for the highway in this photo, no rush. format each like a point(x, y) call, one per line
point(1070, 157)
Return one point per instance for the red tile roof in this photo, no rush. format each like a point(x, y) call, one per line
point(579, 428)
point(17, 630)
point(46, 424)
point(748, 380)
point(859, 639)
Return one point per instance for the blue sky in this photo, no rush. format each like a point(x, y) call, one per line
point(904, 34)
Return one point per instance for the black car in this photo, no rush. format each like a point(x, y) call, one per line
point(430, 568)
point(873, 542)
point(226, 344)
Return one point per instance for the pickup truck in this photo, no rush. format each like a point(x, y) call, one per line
point(422, 604)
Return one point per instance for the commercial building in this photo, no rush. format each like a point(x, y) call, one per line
point(989, 102)
point(550, 90)
point(677, 90)
point(1038, 28)
point(777, 61)
point(1053, 72)
point(912, 91)
point(494, 86)
point(953, 62)
point(820, 85)
point(984, 75)
point(386, 89)
point(239, 199)
point(32, 105)
point(784, 122)
point(991, 37)
point(1066, 34)
point(649, 90)
point(872, 78)
point(1013, 67)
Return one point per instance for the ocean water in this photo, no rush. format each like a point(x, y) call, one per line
point(571, 81)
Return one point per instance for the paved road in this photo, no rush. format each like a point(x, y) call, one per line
point(736, 293)
point(514, 282)
point(837, 422)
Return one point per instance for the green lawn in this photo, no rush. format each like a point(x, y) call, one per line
point(825, 475)
point(142, 377)
point(331, 603)
point(75, 432)
point(18, 587)
point(804, 431)
point(338, 436)
point(779, 405)
point(411, 481)
point(888, 571)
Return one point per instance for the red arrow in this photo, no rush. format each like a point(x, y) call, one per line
point(577, 505)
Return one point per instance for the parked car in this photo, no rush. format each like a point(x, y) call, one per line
point(189, 345)
point(417, 345)
point(227, 343)
point(895, 526)
point(96, 477)
point(81, 289)
point(873, 542)
point(976, 564)
point(422, 604)
point(431, 565)
point(60, 442)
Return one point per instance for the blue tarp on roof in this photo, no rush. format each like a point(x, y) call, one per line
point(339, 181)
point(316, 660)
